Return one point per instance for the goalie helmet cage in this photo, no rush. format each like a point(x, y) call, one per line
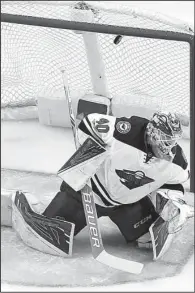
point(132, 56)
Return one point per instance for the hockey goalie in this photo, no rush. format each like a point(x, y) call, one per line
point(136, 170)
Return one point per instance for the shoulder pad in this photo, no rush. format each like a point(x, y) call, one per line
point(130, 130)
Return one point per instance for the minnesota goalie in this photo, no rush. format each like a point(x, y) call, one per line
point(136, 169)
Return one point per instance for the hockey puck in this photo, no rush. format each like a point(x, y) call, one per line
point(117, 39)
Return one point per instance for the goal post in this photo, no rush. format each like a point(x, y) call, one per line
point(152, 65)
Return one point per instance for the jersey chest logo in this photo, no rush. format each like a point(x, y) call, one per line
point(123, 127)
point(133, 179)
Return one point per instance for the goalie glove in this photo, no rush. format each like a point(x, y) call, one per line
point(173, 213)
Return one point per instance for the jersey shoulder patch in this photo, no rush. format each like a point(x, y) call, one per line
point(130, 130)
point(180, 158)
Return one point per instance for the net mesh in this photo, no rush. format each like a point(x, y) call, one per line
point(143, 71)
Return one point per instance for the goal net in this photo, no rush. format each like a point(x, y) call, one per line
point(145, 57)
point(155, 70)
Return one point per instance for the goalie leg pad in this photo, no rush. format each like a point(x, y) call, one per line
point(6, 205)
point(161, 239)
point(52, 236)
point(173, 213)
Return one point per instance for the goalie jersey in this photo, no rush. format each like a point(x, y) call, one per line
point(129, 170)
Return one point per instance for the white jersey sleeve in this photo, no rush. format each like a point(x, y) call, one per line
point(99, 126)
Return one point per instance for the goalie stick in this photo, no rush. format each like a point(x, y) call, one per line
point(98, 250)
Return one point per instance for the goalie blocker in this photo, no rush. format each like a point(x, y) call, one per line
point(93, 104)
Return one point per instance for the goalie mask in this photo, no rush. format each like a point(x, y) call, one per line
point(163, 132)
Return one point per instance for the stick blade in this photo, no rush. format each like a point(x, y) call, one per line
point(124, 265)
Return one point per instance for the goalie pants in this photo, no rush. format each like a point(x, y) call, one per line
point(133, 220)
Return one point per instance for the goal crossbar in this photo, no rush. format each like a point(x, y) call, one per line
point(97, 28)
